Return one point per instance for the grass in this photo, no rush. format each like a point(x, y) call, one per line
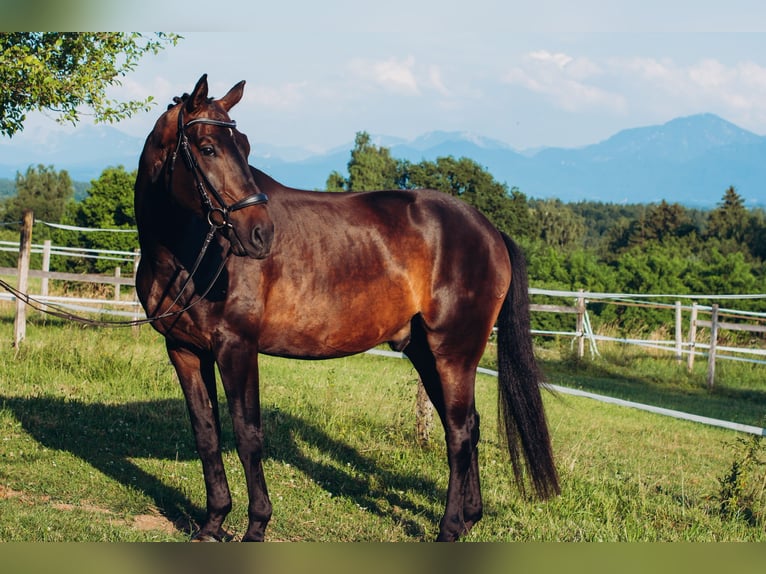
point(95, 445)
point(631, 373)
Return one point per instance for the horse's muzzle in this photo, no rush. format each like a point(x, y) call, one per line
point(254, 242)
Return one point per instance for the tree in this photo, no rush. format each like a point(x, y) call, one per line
point(661, 223)
point(64, 72)
point(371, 167)
point(336, 182)
point(756, 235)
point(558, 225)
point(728, 221)
point(43, 190)
point(466, 179)
point(109, 205)
point(667, 220)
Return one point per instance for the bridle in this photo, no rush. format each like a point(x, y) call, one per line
point(217, 217)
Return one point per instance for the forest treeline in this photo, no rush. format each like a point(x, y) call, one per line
point(662, 248)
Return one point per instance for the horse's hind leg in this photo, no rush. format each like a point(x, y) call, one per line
point(473, 509)
point(450, 388)
point(197, 377)
point(461, 425)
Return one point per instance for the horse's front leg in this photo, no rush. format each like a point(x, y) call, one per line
point(196, 373)
point(238, 365)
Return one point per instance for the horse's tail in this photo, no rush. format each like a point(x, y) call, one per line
point(520, 408)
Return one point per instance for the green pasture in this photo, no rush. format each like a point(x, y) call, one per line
point(95, 445)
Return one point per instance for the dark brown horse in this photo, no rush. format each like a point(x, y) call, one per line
point(235, 264)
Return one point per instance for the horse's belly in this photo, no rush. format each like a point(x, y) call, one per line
point(320, 336)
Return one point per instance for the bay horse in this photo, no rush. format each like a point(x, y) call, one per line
point(234, 264)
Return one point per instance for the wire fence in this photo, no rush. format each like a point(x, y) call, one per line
point(685, 341)
point(690, 316)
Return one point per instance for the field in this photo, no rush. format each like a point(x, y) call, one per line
point(95, 445)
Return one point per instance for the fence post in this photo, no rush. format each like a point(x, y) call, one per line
point(46, 267)
point(136, 261)
point(117, 275)
point(424, 415)
point(25, 249)
point(713, 343)
point(679, 332)
point(692, 338)
point(580, 325)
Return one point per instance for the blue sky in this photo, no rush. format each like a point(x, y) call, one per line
point(549, 73)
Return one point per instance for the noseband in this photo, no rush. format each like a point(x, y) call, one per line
point(217, 217)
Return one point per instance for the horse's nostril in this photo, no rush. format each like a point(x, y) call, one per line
point(260, 241)
point(256, 238)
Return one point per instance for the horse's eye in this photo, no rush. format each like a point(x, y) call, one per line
point(208, 151)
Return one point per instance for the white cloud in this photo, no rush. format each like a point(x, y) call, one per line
point(436, 81)
point(281, 97)
point(393, 75)
point(567, 81)
point(652, 88)
point(543, 56)
point(736, 91)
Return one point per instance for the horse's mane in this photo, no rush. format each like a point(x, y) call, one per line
point(183, 98)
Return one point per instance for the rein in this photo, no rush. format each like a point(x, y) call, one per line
point(60, 312)
point(217, 217)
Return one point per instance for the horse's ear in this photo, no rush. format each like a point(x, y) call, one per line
point(198, 96)
point(233, 96)
point(152, 159)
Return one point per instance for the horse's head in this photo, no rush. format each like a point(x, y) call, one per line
point(211, 177)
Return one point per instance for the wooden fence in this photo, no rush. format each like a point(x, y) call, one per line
point(23, 272)
point(581, 333)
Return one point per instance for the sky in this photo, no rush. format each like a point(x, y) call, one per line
point(544, 73)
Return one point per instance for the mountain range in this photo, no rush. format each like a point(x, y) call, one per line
point(690, 160)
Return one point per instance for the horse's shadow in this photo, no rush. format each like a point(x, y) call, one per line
point(109, 436)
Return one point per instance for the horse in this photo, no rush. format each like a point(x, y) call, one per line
point(234, 264)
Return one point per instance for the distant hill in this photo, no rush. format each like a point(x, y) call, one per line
point(690, 160)
point(83, 152)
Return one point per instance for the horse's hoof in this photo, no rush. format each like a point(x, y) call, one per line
point(223, 536)
point(205, 538)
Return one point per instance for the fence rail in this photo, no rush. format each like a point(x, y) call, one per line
point(690, 346)
point(685, 341)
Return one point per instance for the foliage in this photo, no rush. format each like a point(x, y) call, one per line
point(467, 180)
point(556, 225)
point(7, 188)
point(742, 489)
point(659, 248)
point(43, 190)
point(370, 167)
point(729, 220)
point(656, 223)
point(109, 205)
point(64, 72)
